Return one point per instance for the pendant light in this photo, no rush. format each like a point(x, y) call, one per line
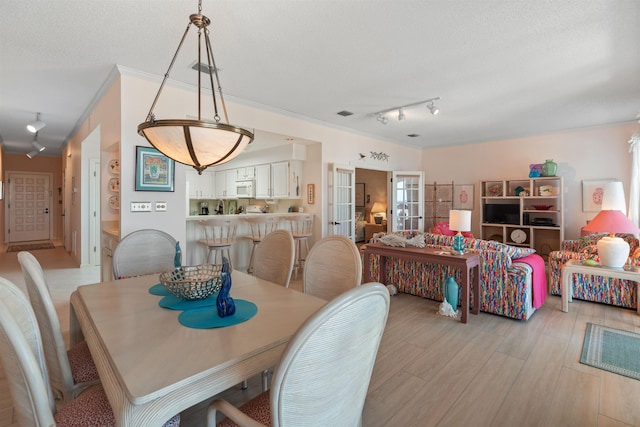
point(198, 143)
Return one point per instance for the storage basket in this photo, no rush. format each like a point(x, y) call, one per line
point(193, 283)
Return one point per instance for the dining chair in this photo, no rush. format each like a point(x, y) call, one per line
point(301, 227)
point(219, 235)
point(274, 257)
point(260, 226)
point(23, 360)
point(71, 371)
point(145, 251)
point(339, 342)
point(333, 266)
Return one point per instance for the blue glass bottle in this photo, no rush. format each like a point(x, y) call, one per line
point(224, 303)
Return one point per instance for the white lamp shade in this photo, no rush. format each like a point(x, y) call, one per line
point(613, 197)
point(459, 220)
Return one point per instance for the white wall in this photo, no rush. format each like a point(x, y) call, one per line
point(597, 153)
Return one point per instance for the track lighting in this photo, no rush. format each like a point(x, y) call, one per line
point(36, 126)
point(434, 110)
point(380, 115)
point(38, 146)
point(32, 154)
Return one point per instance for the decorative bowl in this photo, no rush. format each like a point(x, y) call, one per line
point(542, 207)
point(193, 283)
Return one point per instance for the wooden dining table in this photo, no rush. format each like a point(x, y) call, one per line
point(152, 367)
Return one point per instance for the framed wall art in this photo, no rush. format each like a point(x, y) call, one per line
point(592, 191)
point(463, 196)
point(360, 195)
point(154, 171)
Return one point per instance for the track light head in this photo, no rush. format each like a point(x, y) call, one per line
point(382, 119)
point(38, 146)
point(37, 126)
point(401, 115)
point(434, 110)
point(32, 154)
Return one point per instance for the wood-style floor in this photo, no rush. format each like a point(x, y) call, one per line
point(436, 371)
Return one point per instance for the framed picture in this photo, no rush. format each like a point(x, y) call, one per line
point(154, 171)
point(463, 196)
point(311, 194)
point(592, 191)
point(360, 195)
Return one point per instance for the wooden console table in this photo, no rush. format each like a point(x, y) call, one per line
point(576, 266)
point(466, 263)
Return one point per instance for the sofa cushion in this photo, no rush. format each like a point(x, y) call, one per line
point(478, 244)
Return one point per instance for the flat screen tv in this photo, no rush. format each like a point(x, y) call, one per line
point(501, 213)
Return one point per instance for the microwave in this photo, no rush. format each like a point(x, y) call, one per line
point(246, 189)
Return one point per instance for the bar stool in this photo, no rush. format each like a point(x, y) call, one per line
point(219, 235)
point(260, 227)
point(301, 227)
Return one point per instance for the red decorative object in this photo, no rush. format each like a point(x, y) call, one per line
point(443, 228)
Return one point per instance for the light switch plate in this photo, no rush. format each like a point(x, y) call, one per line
point(140, 206)
point(161, 206)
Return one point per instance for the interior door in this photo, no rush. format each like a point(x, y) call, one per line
point(407, 201)
point(29, 206)
point(342, 193)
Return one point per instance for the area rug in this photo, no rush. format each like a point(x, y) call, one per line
point(612, 350)
point(30, 247)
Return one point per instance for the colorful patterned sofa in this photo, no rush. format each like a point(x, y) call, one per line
point(594, 288)
point(506, 281)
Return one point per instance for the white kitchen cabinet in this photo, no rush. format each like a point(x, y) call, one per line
point(246, 173)
point(225, 184)
point(200, 186)
point(281, 180)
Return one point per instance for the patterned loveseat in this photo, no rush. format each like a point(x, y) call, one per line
point(506, 283)
point(594, 288)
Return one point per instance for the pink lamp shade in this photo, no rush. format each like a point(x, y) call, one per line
point(613, 251)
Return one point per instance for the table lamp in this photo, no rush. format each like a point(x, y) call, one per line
point(459, 221)
point(613, 251)
point(379, 211)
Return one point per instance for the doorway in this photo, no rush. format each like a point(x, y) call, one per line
point(29, 207)
point(371, 209)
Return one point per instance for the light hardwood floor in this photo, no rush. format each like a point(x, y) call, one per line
point(432, 370)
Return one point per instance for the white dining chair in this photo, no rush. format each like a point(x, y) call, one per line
point(145, 251)
point(333, 266)
point(325, 370)
point(23, 360)
point(274, 258)
point(260, 226)
point(71, 371)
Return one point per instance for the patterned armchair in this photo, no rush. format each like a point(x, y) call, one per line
point(594, 288)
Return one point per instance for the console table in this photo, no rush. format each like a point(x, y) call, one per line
point(576, 266)
point(466, 263)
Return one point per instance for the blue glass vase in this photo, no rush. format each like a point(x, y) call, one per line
point(224, 303)
point(458, 244)
point(451, 292)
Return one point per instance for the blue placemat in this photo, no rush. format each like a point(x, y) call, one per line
point(159, 290)
point(207, 317)
point(174, 303)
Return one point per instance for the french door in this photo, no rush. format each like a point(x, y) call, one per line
point(342, 193)
point(407, 201)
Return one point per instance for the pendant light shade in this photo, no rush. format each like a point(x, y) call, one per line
point(197, 143)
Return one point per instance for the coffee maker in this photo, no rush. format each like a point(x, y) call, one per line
point(204, 208)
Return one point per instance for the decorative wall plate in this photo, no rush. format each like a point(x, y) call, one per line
point(114, 185)
point(114, 202)
point(114, 166)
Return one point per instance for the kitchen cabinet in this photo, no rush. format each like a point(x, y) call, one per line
point(200, 186)
point(281, 180)
point(225, 184)
point(246, 173)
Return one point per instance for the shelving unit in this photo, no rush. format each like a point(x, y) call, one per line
point(532, 205)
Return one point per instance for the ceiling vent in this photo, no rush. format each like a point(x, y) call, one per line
point(203, 68)
point(345, 113)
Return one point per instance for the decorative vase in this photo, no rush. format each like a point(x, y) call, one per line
point(177, 259)
point(451, 292)
point(549, 168)
point(458, 244)
point(224, 303)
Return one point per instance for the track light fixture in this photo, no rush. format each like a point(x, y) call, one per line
point(37, 126)
point(380, 115)
point(38, 147)
point(32, 154)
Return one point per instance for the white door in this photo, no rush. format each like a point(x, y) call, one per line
point(407, 204)
point(342, 193)
point(29, 206)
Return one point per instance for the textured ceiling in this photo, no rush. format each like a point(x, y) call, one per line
point(503, 68)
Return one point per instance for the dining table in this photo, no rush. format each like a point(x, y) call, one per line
point(152, 367)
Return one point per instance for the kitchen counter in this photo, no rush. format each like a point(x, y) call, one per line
point(243, 215)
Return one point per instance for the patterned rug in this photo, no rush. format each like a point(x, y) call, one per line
point(612, 350)
point(30, 247)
